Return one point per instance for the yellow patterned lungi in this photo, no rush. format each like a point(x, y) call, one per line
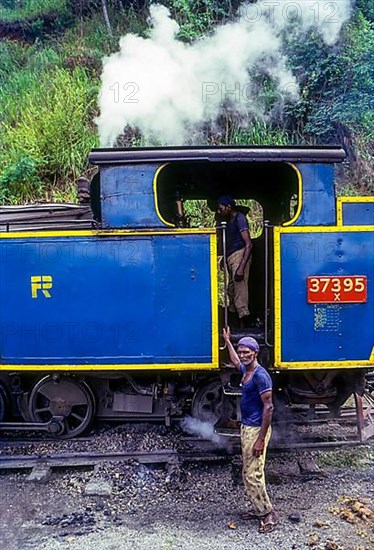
point(253, 471)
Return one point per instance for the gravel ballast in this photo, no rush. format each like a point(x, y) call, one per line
point(321, 498)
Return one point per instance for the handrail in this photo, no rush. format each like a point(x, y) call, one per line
point(266, 304)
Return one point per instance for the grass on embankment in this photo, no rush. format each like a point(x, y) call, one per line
point(13, 10)
point(46, 131)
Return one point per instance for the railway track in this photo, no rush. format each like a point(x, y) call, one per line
point(78, 460)
point(203, 451)
point(169, 458)
point(303, 432)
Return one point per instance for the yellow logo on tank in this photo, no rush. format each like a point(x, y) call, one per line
point(41, 283)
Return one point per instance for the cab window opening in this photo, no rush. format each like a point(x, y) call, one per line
point(182, 189)
point(187, 195)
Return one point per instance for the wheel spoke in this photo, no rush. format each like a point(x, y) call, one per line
point(65, 397)
point(77, 416)
point(46, 392)
point(207, 401)
point(42, 409)
point(81, 402)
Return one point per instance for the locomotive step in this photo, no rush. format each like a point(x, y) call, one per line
point(227, 428)
point(254, 332)
point(232, 391)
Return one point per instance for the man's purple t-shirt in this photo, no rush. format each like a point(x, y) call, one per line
point(251, 403)
point(233, 233)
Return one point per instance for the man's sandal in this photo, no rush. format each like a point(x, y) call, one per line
point(268, 523)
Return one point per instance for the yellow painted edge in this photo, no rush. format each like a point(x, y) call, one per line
point(323, 364)
point(105, 233)
point(183, 366)
point(172, 366)
point(300, 198)
point(277, 296)
point(278, 363)
point(325, 228)
point(362, 198)
point(155, 195)
point(341, 200)
point(81, 367)
point(339, 211)
point(214, 298)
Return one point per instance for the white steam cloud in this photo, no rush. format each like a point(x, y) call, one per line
point(168, 90)
point(205, 430)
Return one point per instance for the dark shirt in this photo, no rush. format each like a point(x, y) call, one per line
point(234, 228)
point(251, 404)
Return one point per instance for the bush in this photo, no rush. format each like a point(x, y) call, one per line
point(20, 181)
point(48, 119)
point(15, 10)
point(197, 18)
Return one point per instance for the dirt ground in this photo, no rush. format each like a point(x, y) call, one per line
point(322, 498)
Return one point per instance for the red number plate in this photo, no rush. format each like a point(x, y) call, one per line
point(341, 290)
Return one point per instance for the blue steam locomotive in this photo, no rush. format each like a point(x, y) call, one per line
point(120, 316)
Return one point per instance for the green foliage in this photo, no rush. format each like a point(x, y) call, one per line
point(337, 85)
point(257, 132)
point(367, 9)
point(348, 189)
point(89, 36)
point(198, 213)
point(359, 458)
point(197, 18)
point(15, 10)
point(48, 93)
point(12, 57)
point(242, 130)
point(15, 58)
point(336, 96)
point(356, 104)
point(47, 118)
point(20, 180)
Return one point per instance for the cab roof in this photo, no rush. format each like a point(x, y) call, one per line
point(229, 153)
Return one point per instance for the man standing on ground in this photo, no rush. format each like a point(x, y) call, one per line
point(255, 431)
point(239, 246)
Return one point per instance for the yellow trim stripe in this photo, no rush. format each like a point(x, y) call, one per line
point(95, 367)
point(278, 363)
point(106, 233)
point(342, 200)
point(323, 365)
point(186, 366)
point(214, 298)
point(155, 195)
point(300, 195)
point(277, 297)
point(324, 229)
point(162, 366)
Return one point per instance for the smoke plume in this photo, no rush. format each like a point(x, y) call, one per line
point(168, 90)
point(205, 430)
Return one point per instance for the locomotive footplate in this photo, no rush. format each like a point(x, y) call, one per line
point(227, 428)
point(361, 416)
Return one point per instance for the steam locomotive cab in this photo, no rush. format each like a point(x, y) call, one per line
point(123, 319)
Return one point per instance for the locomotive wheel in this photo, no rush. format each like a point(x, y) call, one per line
point(206, 404)
point(59, 396)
